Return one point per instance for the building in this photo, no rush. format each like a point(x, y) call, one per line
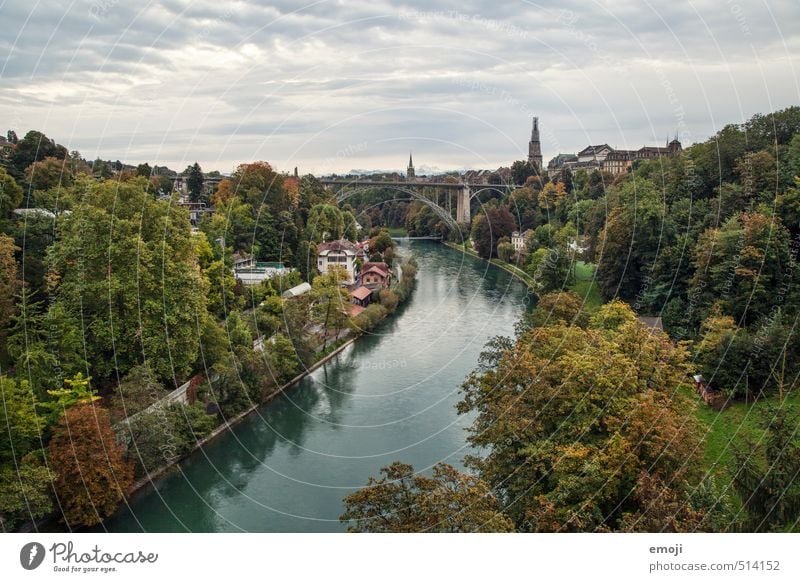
point(519, 240)
point(375, 275)
point(339, 253)
point(535, 147)
point(594, 153)
point(196, 210)
point(361, 296)
point(297, 290)
point(250, 272)
point(618, 161)
point(410, 175)
point(604, 157)
point(555, 165)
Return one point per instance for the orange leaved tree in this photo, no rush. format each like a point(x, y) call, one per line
point(92, 474)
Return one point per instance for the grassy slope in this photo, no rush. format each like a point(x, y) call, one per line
point(737, 424)
point(586, 287)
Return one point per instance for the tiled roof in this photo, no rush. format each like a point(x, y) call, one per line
point(337, 245)
point(361, 293)
point(380, 272)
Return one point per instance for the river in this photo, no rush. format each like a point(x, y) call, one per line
point(390, 396)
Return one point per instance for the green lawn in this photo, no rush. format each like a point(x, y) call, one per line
point(737, 424)
point(586, 288)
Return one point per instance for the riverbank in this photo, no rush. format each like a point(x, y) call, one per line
point(402, 290)
point(162, 472)
point(516, 272)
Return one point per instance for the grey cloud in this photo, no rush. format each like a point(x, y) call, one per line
point(223, 82)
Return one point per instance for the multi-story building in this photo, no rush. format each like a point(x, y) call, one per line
point(604, 157)
point(340, 253)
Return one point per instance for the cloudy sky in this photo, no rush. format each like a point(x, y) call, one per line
point(335, 85)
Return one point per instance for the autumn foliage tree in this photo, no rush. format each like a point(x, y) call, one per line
point(489, 227)
point(574, 421)
point(404, 501)
point(92, 474)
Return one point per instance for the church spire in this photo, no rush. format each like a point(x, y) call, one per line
point(535, 147)
point(410, 170)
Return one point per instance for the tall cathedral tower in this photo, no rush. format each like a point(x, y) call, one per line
point(410, 169)
point(535, 147)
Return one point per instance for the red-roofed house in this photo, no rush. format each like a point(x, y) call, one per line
point(361, 296)
point(375, 275)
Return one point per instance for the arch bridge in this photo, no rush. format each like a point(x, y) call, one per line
point(425, 191)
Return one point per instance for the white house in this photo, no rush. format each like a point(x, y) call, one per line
point(519, 240)
point(339, 253)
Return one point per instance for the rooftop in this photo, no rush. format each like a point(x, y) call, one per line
point(362, 293)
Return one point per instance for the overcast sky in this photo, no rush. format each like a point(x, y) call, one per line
point(336, 85)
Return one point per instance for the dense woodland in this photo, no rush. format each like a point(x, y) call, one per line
point(588, 417)
point(109, 300)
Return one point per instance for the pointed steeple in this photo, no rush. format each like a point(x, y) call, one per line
point(535, 146)
point(410, 169)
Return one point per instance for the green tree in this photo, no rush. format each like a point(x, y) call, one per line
point(766, 476)
point(136, 391)
point(77, 391)
point(33, 147)
point(331, 306)
point(521, 170)
point(126, 264)
point(557, 306)
point(49, 173)
point(144, 170)
point(21, 427)
point(194, 182)
point(325, 223)
point(25, 494)
point(8, 282)
point(10, 194)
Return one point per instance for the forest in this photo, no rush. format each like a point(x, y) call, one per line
point(111, 298)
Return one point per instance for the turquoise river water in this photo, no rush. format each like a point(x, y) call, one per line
point(390, 396)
